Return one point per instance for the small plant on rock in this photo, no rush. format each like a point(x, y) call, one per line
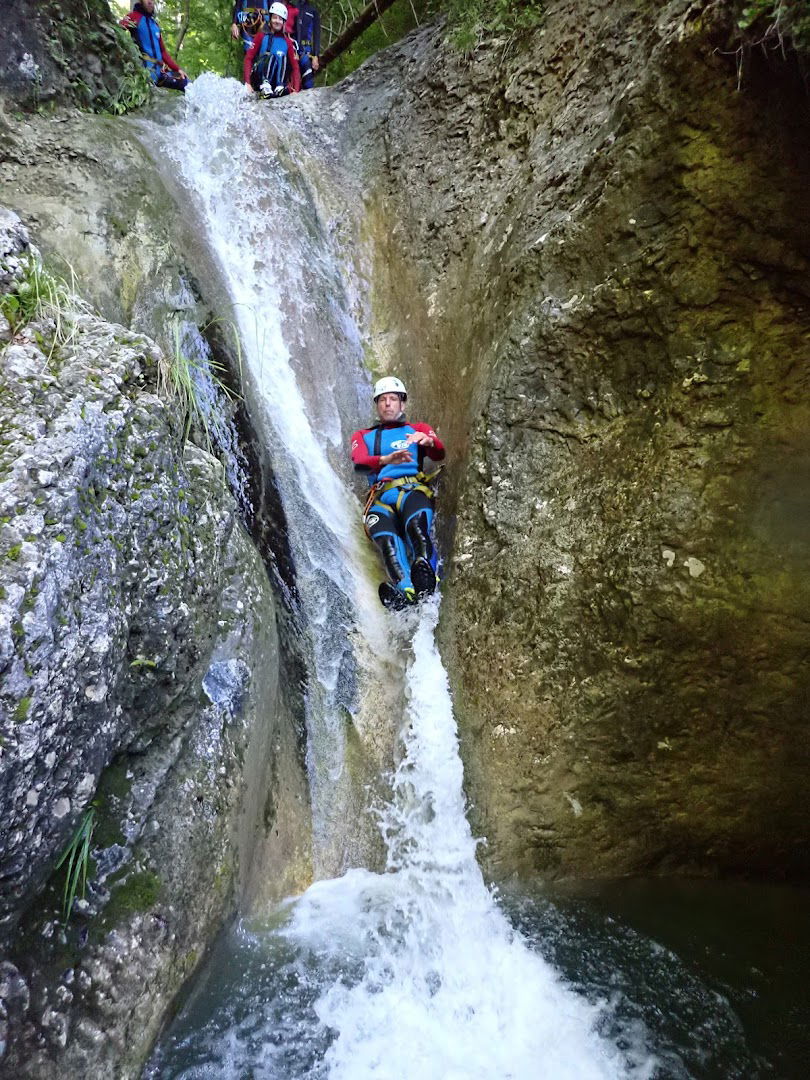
point(193, 383)
point(133, 90)
point(39, 293)
point(77, 857)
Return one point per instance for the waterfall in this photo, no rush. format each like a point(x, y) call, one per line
point(412, 971)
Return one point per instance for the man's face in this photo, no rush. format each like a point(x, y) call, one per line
point(389, 407)
point(148, 6)
point(276, 24)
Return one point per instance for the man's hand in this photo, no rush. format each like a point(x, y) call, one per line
point(181, 74)
point(235, 31)
point(420, 438)
point(316, 64)
point(127, 23)
point(398, 457)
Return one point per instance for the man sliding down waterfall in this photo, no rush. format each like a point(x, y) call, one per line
point(399, 511)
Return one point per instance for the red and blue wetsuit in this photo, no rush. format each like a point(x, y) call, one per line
point(272, 57)
point(400, 518)
point(156, 59)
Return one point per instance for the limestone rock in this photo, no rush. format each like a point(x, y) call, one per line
point(139, 683)
point(596, 287)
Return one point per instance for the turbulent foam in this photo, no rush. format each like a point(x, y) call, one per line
point(447, 989)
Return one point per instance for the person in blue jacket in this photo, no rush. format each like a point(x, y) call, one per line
point(161, 69)
point(307, 33)
point(399, 510)
point(248, 18)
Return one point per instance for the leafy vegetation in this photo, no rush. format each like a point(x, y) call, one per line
point(197, 32)
point(188, 382)
point(470, 22)
point(133, 90)
point(39, 293)
point(76, 857)
point(778, 21)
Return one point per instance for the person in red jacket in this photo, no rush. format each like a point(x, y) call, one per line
point(399, 510)
point(271, 63)
point(289, 23)
point(160, 67)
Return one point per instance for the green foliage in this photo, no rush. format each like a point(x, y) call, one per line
point(39, 293)
point(197, 32)
point(77, 857)
point(179, 379)
point(202, 28)
point(21, 712)
point(470, 22)
point(133, 90)
point(778, 20)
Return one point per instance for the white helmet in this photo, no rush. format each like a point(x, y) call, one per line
point(280, 10)
point(390, 385)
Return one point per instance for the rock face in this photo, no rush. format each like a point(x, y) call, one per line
point(596, 287)
point(139, 684)
point(65, 51)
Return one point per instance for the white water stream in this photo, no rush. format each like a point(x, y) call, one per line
point(412, 972)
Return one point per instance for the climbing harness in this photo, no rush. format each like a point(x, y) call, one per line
point(424, 482)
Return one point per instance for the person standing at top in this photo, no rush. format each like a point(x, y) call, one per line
point(160, 67)
point(271, 62)
point(399, 510)
point(307, 33)
point(289, 25)
point(249, 17)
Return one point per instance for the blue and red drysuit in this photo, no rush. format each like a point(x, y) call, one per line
point(156, 59)
point(272, 58)
point(250, 16)
point(307, 33)
point(400, 518)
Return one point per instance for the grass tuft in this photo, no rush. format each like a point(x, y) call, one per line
point(183, 379)
point(77, 857)
point(37, 294)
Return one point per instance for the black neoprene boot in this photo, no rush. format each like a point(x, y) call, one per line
point(423, 578)
point(419, 536)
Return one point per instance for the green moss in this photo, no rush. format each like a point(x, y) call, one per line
point(60, 537)
point(21, 712)
point(13, 553)
point(138, 892)
point(80, 524)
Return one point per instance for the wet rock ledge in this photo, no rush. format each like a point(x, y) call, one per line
point(139, 685)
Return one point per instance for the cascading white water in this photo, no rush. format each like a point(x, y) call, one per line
point(234, 176)
point(413, 972)
point(448, 991)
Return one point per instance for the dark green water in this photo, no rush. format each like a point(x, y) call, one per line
point(716, 973)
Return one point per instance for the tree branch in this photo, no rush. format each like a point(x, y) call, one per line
point(367, 16)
